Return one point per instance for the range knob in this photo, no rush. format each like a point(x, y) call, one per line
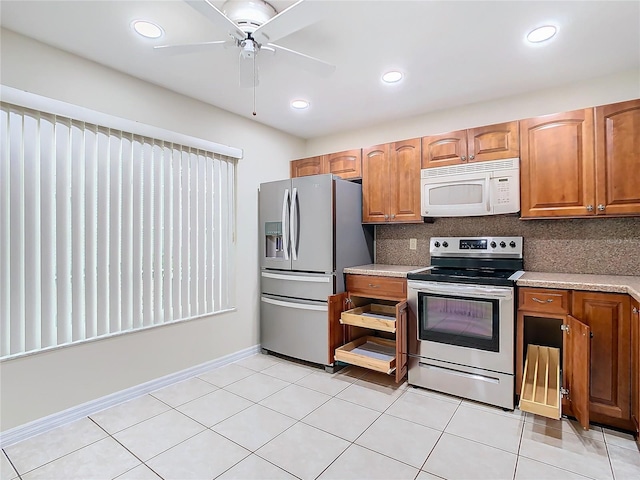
point(512, 244)
point(502, 244)
point(436, 244)
point(493, 244)
point(445, 244)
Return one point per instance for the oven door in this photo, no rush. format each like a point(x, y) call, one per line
point(470, 325)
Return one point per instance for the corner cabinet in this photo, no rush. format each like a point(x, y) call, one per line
point(635, 367)
point(491, 142)
point(391, 183)
point(346, 165)
point(581, 163)
point(589, 334)
point(367, 324)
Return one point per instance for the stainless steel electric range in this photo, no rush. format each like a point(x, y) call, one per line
point(463, 309)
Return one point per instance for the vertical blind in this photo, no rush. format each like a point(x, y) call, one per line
point(104, 231)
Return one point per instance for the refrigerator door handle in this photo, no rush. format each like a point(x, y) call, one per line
point(301, 306)
point(285, 233)
point(293, 224)
point(297, 278)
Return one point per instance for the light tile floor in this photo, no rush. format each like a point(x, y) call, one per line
point(268, 418)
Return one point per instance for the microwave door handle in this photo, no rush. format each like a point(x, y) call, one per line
point(293, 223)
point(285, 232)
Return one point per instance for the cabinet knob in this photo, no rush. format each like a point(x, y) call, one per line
point(463, 158)
point(634, 310)
point(471, 157)
point(589, 208)
point(393, 215)
point(601, 208)
point(386, 217)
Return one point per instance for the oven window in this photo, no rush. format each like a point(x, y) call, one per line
point(461, 321)
point(461, 194)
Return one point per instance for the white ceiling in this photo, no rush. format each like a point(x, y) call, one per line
point(452, 52)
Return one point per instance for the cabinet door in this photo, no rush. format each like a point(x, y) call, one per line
point(618, 158)
point(401, 341)
point(577, 358)
point(404, 181)
point(635, 366)
point(608, 316)
point(375, 184)
point(308, 166)
point(336, 332)
point(493, 142)
point(444, 149)
point(557, 165)
point(345, 164)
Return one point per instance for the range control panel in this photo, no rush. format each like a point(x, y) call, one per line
point(476, 246)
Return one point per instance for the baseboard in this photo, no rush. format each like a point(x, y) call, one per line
point(31, 429)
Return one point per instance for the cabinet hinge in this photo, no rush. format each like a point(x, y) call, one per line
point(564, 328)
point(564, 393)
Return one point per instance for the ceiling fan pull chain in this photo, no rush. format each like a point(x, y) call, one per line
point(254, 85)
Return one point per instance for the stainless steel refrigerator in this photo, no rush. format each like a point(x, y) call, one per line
point(310, 229)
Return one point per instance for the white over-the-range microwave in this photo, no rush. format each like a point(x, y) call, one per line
point(471, 189)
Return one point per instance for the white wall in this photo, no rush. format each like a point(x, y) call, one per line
point(46, 383)
point(598, 91)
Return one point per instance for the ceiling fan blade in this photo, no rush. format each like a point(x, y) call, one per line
point(312, 64)
point(193, 47)
point(215, 16)
point(291, 19)
point(248, 72)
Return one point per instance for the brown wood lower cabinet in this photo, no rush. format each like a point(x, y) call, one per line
point(592, 333)
point(635, 367)
point(367, 324)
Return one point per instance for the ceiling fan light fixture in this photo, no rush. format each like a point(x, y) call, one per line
point(248, 14)
point(146, 29)
point(393, 76)
point(542, 34)
point(300, 104)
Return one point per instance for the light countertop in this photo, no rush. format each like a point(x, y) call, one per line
point(382, 270)
point(577, 281)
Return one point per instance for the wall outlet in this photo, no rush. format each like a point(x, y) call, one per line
point(413, 243)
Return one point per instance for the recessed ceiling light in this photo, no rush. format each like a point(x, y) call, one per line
point(300, 104)
point(147, 29)
point(542, 34)
point(392, 77)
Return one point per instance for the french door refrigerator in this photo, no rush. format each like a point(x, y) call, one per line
point(310, 229)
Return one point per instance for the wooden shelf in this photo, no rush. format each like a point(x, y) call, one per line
point(374, 316)
point(373, 353)
point(540, 392)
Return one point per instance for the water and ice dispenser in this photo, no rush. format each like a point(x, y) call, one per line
point(273, 240)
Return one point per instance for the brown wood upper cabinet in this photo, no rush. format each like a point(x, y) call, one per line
point(391, 182)
point(618, 158)
point(347, 165)
point(308, 166)
point(492, 142)
point(581, 163)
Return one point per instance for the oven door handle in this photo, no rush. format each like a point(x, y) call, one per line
point(461, 289)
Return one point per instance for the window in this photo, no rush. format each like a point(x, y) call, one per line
point(103, 231)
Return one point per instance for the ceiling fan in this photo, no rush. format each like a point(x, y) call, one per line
point(253, 25)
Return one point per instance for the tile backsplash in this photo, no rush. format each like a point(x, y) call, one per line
point(607, 246)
